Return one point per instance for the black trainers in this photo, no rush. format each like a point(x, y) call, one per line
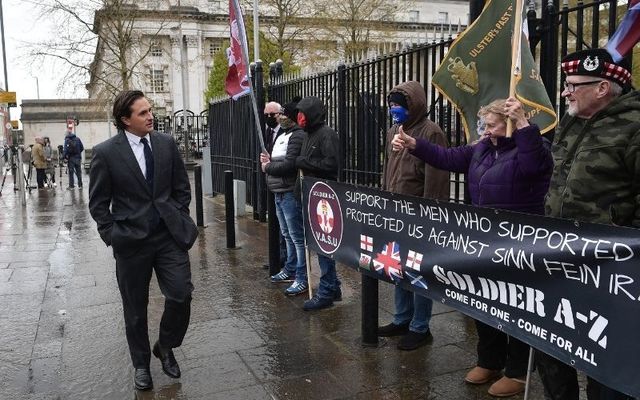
point(317, 303)
point(393, 330)
point(412, 340)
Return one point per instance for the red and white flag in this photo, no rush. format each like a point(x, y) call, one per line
point(366, 243)
point(627, 34)
point(414, 260)
point(237, 82)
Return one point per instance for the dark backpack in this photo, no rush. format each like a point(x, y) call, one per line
point(72, 147)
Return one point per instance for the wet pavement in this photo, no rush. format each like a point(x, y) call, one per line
point(62, 330)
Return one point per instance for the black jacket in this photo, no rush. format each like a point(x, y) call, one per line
point(320, 149)
point(121, 202)
point(281, 171)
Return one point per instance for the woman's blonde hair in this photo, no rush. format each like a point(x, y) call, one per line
point(495, 107)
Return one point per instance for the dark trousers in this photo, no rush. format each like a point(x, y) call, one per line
point(41, 177)
point(497, 350)
point(560, 382)
point(133, 269)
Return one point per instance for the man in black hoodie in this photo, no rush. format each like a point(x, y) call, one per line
point(319, 158)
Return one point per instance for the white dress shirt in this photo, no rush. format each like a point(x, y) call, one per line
point(138, 150)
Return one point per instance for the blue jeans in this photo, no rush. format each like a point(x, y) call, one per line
point(329, 281)
point(412, 307)
point(75, 166)
point(289, 212)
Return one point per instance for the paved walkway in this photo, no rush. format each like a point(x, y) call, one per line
point(63, 331)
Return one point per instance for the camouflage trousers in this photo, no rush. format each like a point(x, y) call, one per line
point(560, 382)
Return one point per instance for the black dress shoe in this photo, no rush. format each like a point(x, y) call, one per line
point(142, 379)
point(168, 360)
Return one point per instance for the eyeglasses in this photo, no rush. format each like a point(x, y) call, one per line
point(571, 87)
point(271, 114)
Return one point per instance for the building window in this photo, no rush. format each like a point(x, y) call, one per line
point(414, 15)
point(443, 17)
point(156, 49)
point(157, 80)
point(214, 47)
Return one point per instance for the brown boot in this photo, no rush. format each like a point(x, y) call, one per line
point(507, 387)
point(479, 375)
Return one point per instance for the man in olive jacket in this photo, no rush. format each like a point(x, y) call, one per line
point(406, 174)
point(596, 176)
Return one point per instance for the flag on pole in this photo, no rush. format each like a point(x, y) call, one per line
point(627, 34)
point(477, 69)
point(237, 82)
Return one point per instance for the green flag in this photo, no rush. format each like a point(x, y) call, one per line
point(477, 70)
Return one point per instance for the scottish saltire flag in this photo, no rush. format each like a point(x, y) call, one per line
point(627, 34)
point(388, 261)
point(366, 243)
point(237, 82)
point(477, 69)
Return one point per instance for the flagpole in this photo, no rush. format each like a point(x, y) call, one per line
point(516, 43)
point(245, 57)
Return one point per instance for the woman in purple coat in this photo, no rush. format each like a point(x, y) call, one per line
point(505, 173)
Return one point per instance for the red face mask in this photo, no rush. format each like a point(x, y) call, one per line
point(302, 120)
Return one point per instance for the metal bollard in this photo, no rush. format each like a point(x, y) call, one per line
point(274, 235)
point(197, 176)
point(229, 207)
point(369, 311)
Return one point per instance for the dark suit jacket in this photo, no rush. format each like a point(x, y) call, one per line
point(121, 202)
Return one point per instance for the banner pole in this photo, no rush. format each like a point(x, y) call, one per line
point(516, 43)
point(307, 253)
point(245, 56)
point(529, 371)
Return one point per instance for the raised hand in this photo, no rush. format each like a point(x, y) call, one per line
point(515, 111)
point(402, 141)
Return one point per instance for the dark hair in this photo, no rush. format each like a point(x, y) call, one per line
point(122, 106)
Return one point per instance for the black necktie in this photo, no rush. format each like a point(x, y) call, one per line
point(148, 161)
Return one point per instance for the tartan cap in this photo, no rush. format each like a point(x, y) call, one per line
point(596, 62)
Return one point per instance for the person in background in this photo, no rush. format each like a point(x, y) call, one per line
point(505, 173)
point(408, 175)
point(50, 172)
point(596, 177)
point(39, 161)
point(319, 158)
point(281, 172)
point(72, 152)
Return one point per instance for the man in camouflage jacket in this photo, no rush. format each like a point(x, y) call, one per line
point(596, 176)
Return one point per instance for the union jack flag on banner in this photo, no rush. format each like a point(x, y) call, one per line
point(366, 243)
point(388, 261)
point(237, 82)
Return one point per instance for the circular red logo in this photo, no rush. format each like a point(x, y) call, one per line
point(325, 217)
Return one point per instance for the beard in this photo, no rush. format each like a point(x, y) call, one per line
point(572, 109)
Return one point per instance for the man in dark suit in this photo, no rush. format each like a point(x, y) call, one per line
point(139, 195)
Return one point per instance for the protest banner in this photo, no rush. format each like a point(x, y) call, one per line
point(568, 288)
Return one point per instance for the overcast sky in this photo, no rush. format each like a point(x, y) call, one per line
point(20, 25)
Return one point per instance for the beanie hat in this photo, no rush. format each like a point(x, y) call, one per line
point(399, 99)
point(290, 109)
point(598, 63)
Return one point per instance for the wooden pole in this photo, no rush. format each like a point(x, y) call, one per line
point(516, 43)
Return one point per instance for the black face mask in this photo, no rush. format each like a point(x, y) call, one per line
point(271, 122)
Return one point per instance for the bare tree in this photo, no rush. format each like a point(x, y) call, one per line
point(95, 43)
point(357, 24)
